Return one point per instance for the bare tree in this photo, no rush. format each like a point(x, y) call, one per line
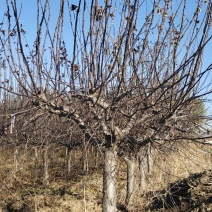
point(135, 71)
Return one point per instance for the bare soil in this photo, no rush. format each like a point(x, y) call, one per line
point(192, 194)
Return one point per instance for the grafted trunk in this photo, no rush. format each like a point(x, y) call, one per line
point(130, 180)
point(109, 180)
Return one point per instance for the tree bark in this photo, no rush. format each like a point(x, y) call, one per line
point(96, 158)
point(150, 153)
point(130, 181)
point(53, 158)
point(36, 157)
point(109, 180)
point(16, 158)
point(69, 160)
point(85, 158)
point(143, 166)
point(45, 166)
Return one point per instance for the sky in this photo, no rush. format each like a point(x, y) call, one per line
point(28, 13)
point(28, 20)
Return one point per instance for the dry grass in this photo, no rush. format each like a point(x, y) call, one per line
point(21, 183)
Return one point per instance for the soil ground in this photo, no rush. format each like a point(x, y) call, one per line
point(182, 184)
point(192, 194)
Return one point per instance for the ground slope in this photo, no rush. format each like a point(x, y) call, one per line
point(192, 194)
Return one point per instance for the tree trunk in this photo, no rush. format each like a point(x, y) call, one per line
point(69, 161)
point(109, 180)
point(165, 170)
point(130, 181)
point(150, 153)
point(143, 166)
point(53, 158)
point(16, 158)
point(96, 158)
point(45, 166)
point(85, 158)
point(36, 157)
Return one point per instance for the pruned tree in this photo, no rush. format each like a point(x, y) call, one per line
point(128, 73)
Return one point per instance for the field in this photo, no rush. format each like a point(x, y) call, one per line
point(22, 186)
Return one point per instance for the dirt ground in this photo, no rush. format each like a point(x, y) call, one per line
point(22, 190)
point(192, 194)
